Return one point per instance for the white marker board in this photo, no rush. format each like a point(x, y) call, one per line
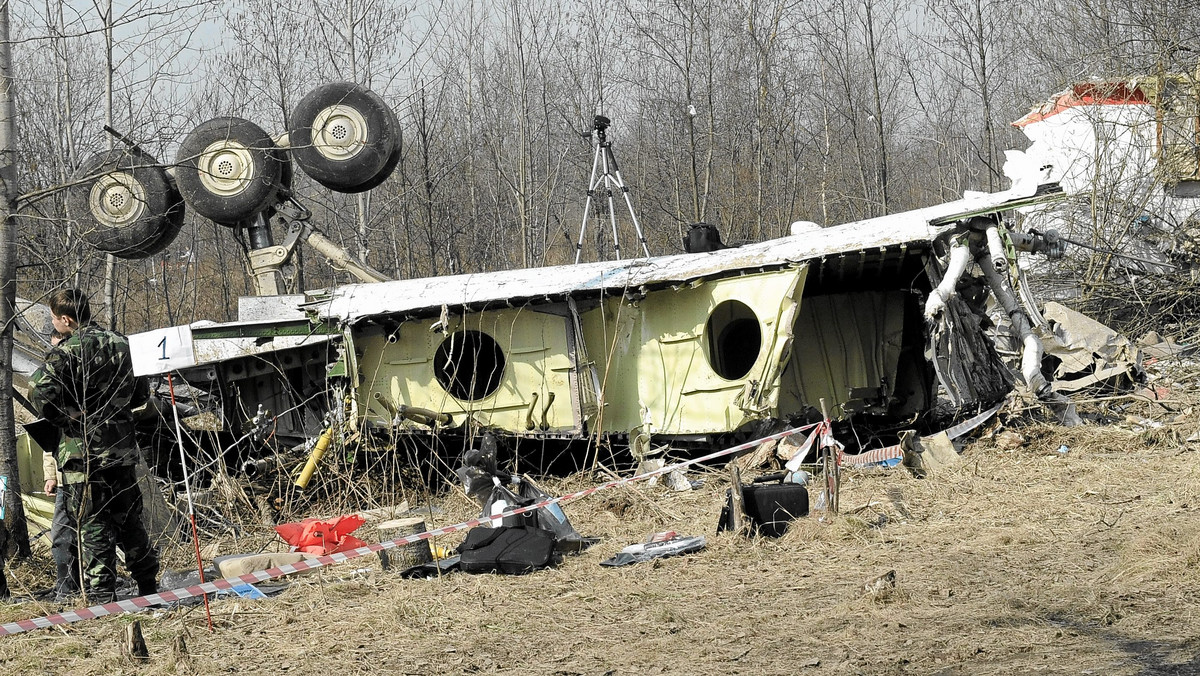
point(162, 350)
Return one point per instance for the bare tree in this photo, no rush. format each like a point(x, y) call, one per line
point(14, 521)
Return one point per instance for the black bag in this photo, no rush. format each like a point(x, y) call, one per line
point(508, 550)
point(566, 539)
point(770, 508)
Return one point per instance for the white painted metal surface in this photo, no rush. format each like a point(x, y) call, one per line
point(353, 302)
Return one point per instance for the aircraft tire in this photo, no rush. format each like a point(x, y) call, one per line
point(124, 203)
point(228, 169)
point(383, 174)
point(345, 137)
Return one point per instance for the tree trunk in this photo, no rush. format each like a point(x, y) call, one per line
point(14, 513)
point(110, 261)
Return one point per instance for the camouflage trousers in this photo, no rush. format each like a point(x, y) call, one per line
point(109, 507)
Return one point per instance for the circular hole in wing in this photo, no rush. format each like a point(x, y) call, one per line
point(469, 365)
point(733, 339)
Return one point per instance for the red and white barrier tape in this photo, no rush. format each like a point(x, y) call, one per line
point(872, 457)
point(227, 584)
point(824, 433)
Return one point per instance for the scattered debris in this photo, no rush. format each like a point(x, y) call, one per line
point(508, 550)
point(657, 546)
point(924, 455)
point(1139, 423)
point(248, 591)
point(241, 564)
point(485, 482)
point(676, 480)
point(385, 513)
point(314, 536)
point(1089, 353)
point(880, 588)
point(1008, 440)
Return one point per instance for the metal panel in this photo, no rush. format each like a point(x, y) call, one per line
point(357, 302)
point(654, 355)
point(847, 347)
point(534, 393)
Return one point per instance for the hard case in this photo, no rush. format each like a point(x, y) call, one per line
point(770, 508)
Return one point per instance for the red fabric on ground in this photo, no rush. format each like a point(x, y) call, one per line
point(314, 536)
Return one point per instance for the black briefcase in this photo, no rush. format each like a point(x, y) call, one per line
point(770, 508)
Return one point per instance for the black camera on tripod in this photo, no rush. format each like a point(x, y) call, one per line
point(601, 123)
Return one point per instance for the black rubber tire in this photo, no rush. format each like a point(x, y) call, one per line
point(229, 199)
point(380, 138)
point(175, 214)
point(101, 205)
point(380, 177)
point(286, 172)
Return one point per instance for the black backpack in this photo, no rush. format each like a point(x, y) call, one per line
point(511, 550)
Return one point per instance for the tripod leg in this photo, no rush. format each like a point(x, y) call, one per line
point(612, 211)
point(587, 204)
point(637, 227)
point(610, 158)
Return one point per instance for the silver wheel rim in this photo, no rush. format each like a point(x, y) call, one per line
point(339, 132)
point(117, 199)
point(226, 168)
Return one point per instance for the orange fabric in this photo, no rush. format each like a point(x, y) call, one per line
point(313, 536)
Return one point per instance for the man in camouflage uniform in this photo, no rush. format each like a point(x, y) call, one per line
point(87, 389)
point(64, 541)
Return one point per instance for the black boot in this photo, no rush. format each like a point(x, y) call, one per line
point(98, 598)
point(66, 591)
point(147, 587)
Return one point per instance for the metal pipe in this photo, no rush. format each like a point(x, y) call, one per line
point(342, 260)
point(259, 232)
point(529, 424)
point(546, 411)
point(1031, 354)
point(424, 416)
point(996, 247)
point(960, 258)
point(385, 402)
point(252, 467)
point(318, 452)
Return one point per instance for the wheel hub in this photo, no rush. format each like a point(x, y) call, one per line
point(117, 199)
point(339, 132)
point(226, 167)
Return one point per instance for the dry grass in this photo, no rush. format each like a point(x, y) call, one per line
point(1021, 561)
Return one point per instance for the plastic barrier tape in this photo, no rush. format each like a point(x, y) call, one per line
point(884, 454)
point(226, 584)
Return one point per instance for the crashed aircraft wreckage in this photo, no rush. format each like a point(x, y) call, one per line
point(681, 349)
point(873, 318)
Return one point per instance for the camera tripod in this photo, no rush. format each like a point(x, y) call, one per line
point(610, 178)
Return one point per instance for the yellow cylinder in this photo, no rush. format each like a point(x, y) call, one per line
point(318, 452)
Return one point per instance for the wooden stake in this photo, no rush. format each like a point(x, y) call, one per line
point(832, 471)
point(134, 647)
point(737, 502)
point(179, 650)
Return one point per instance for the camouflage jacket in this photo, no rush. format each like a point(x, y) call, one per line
point(87, 389)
